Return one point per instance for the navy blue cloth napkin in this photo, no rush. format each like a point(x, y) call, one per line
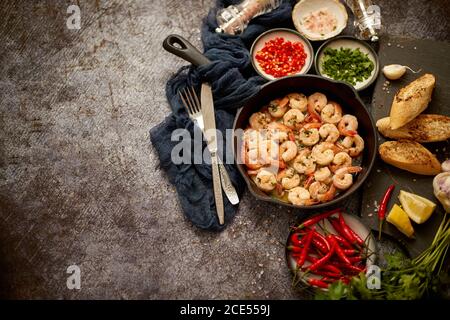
point(233, 80)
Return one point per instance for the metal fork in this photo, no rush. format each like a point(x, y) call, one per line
point(193, 107)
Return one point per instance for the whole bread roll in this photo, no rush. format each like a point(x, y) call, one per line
point(423, 128)
point(411, 156)
point(411, 100)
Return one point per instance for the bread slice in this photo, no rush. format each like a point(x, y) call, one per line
point(411, 156)
point(424, 128)
point(411, 100)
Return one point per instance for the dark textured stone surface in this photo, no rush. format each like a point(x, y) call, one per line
point(79, 181)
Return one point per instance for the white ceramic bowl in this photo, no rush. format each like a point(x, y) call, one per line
point(305, 7)
point(289, 35)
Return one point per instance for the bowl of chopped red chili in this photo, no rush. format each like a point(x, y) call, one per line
point(281, 52)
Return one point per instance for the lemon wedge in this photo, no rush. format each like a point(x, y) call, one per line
point(398, 217)
point(418, 208)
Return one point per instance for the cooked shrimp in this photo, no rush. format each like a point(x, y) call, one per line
point(252, 138)
point(289, 178)
point(348, 125)
point(345, 143)
point(270, 154)
point(304, 162)
point(343, 178)
point(341, 160)
point(288, 150)
point(322, 174)
point(251, 163)
point(323, 153)
point(278, 135)
point(308, 181)
point(317, 188)
point(278, 126)
point(327, 196)
point(321, 191)
point(252, 172)
point(300, 197)
point(250, 157)
point(298, 101)
point(309, 137)
point(266, 180)
point(329, 132)
point(331, 113)
point(353, 145)
point(259, 120)
point(316, 102)
point(278, 132)
point(278, 107)
point(358, 146)
point(312, 125)
point(293, 118)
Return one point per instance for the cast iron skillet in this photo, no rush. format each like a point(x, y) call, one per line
point(338, 91)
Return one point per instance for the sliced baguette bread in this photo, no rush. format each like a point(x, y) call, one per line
point(423, 128)
point(411, 156)
point(411, 100)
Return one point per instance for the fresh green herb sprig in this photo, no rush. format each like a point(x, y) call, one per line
point(403, 279)
point(349, 65)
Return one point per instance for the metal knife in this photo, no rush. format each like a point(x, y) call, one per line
point(227, 185)
point(209, 120)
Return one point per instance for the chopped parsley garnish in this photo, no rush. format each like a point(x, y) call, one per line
point(349, 65)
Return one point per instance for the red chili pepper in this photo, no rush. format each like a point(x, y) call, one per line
point(382, 208)
point(331, 268)
point(349, 267)
point(295, 255)
point(325, 266)
point(295, 249)
point(322, 239)
point(319, 246)
point(323, 248)
point(295, 240)
point(301, 260)
point(327, 279)
point(342, 237)
point(341, 240)
point(349, 252)
point(339, 251)
point(350, 235)
point(356, 236)
point(355, 259)
point(345, 280)
point(327, 274)
point(315, 219)
point(316, 265)
point(317, 283)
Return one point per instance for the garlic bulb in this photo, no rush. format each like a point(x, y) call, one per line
point(396, 71)
point(441, 187)
point(445, 165)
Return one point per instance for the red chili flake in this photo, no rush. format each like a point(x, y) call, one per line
point(280, 58)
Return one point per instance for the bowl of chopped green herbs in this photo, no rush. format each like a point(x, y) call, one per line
point(348, 59)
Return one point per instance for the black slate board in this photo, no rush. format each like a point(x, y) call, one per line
point(431, 57)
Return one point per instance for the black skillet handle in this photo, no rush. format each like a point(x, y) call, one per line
point(184, 50)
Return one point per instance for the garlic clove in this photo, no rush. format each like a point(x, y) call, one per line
point(441, 188)
point(445, 165)
point(394, 71)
